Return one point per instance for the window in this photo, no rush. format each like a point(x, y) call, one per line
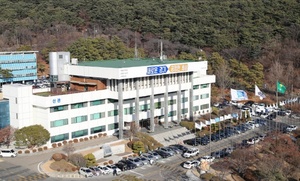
point(184, 99)
point(158, 105)
point(196, 87)
point(112, 100)
point(79, 105)
point(204, 96)
point(97, 115)
point(204, 106)
point(196, 97)
point(59, 108)
point(98, 129)
point(80, 133)
point(144, 107)
point(129, 110)
point(79, 119)
point(195, 108)
point(60, 56)
point(113, 113)
point(184, 111)
point(97, 102)
point(58, 123)
point(171, 102)
point(112, 126)
point(172, 113)
point(60, 137)
point(204, 86)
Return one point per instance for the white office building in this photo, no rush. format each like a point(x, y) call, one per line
point(92, 97)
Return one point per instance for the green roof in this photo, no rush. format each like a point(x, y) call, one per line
point(126, 63)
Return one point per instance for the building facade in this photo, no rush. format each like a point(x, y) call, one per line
point(105, 96)
point(4, 113)
point(23, 66)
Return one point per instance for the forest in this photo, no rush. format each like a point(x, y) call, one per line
point(248, 32)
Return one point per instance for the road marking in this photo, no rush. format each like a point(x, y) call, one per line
point(38, 167)
point(136, 173)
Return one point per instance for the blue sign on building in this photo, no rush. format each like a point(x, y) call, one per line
point(157, 70)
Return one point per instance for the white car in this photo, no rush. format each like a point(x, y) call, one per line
point(190, 164)
point(191, 152)
point(291, 128)
point(207, 158)
point(86, 172)
point(253, 141)
point(114, 167)
point(104, 170)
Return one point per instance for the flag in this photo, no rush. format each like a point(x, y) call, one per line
point(280, 88)
point(259, 93)
point(198, 126)
point(238, 95)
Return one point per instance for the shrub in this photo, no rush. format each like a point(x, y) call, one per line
point(20, 152)
point(110, 162)
point(105, 163)
point(100, 134)
point(95, 136)
point(34, 150)
point(65, 142)
point(81, 139)
point(91, 137)
point(76, 140)
point(66, 170)
point(59, 144)
point(54, 145)
point(86, 139)
point(206, 176)
point(124, 158)
point(58, 169)
point(27, 151)
point(188, 124)
point(57, 156)
point(105, 134)
point(45, 148)
point(40, 149)
point(70, 142)
point(74, 169)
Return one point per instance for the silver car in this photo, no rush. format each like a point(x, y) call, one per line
point(136, 161)
point(168, 150)
point(155, 155)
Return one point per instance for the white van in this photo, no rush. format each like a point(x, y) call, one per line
point(8, 153)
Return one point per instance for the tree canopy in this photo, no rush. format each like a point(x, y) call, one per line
point(31, 136)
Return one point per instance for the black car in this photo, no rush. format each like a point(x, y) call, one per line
point(130, 165)
point(163, 154)
point(203, 140)
point(281, 113)
point(215, 137)
point(181, 147)
point(122, 166)
point(192, 142)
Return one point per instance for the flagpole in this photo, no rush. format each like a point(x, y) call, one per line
point(277, 94)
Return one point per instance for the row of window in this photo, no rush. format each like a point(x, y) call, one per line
point(84, 132)
point(17, 61)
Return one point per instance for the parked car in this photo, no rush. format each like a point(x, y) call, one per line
point(168, 150)
point(219, 154)
point(145, 161)
point(104, 169)
point(175, 149)
point(191, 152)
point(148, 156)
point(190, 164)
point(163, 154)
point(129, 164)
point(228, 150)
point(181, 147)
point(95, 170)
point(207, 158)
point(86, 172)
point(8, 153)
point(192, 142)
point(253, 141)
point(155, 155)
point(113, 168)
point(122, 166)
point(137, 161)
point(291, 128)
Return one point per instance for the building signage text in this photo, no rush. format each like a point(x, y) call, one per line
point(153, 70)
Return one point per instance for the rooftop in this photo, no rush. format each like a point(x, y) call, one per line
point(126, 63)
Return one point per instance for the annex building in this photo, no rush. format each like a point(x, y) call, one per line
point(22, 64)
point(91, 97)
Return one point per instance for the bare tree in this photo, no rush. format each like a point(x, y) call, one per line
point(69, 149)
point(7, 135)
point(77, 159)
point(276, 72)
point(241, 159)
point(290, 76)
point(223, 74)
point(134, 128)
